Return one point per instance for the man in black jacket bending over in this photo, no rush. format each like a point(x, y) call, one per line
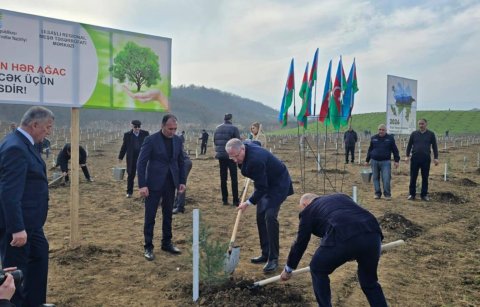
point(348, 232)
point(132, 142)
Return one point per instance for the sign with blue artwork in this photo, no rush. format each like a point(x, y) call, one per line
point(401, 105)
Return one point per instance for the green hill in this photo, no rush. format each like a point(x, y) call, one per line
point(456, 122)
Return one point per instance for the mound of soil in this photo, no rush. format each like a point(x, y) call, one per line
point(448, 197)
point(400, 225)
point(467, 182)
point(333, 171)
point(237, 293)
point(81, 254)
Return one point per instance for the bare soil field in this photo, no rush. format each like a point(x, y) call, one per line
point(438, 266)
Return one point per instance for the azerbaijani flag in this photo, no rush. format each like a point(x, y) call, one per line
point(335, 105)
point(303, 93)
point(287, 96)
point(311, 82)
point(322, 115)
point(349, 95)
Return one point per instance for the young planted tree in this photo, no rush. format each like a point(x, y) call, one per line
point(137, 64)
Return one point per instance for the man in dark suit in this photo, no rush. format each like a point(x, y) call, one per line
point(132, 141)
point(24, 205)
point(348, 232)
point(272, 186)
point(160, 171)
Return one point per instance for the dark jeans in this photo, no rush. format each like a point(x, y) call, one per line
point(419, 163)
point(365, 249)
point(166, 197)
point(350, 149)
point(180, 198)
point(225, 165)
point(32, 260)
point(203, 148)
point(268, 231)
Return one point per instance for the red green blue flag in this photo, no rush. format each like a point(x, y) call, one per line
point(287, 96)
point(323, 113)
point(349, 95)
point(303, 93)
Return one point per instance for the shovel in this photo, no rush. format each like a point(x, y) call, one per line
point(232, 256)
point(270, 280)
point(55, 180)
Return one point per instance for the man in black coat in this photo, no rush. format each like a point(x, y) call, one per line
point(350, 138)
point(203, 146)
point(348, 232)
point(273, 185)
point(132, 142)
point(65, 155)
point(224, 133)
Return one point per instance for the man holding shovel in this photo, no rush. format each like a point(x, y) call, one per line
point(272, 185)
point(348, 232)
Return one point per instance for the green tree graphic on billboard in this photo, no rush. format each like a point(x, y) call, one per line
point(137, 64)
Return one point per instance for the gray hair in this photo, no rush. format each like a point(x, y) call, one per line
point(382, 126)
point(36, 114)
point(235, 144)
point(307, 198)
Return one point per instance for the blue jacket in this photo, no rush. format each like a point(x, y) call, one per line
point(269, 174)
point(23, 185)
point(154, 164)
point(335, 218)
point(381, 148)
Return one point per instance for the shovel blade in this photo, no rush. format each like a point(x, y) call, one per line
point(231, 260)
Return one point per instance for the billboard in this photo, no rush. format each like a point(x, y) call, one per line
point(401, 105)
point(53, 62)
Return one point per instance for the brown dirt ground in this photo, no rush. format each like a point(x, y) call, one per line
point(438, 266)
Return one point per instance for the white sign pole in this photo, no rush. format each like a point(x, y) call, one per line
point(196, 253)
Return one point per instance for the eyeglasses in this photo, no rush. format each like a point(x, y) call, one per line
point(136, 126)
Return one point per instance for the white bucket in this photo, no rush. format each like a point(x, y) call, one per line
point(118, 173)
point(366, 175)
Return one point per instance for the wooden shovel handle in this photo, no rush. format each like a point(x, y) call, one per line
point(264, 282)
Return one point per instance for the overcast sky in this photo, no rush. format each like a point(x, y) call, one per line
point(245, 46)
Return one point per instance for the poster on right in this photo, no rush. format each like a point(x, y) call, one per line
point(401, 105)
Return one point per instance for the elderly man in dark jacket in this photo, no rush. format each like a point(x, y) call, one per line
point(350, 138)
point(132, 142)
point(273, 185)
point(224, 133)
point(348, 232)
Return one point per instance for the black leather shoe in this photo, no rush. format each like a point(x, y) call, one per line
point(148, 254)
point(271, 266)
point(178, 210)
point(171, 249)
point(259, 259)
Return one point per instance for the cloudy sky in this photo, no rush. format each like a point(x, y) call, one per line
point(245, 46)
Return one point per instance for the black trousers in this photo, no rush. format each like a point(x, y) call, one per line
point(131, 176)
point(32, 260)
point(268, 231)
point(365, 249)
point(203, 148)
point(225, 165)
point(421, 163)
point(350, 149)
point(164, 198)
point(180, 198)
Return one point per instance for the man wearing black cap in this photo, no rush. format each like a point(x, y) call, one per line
point(132, 142)
point(224, 133)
